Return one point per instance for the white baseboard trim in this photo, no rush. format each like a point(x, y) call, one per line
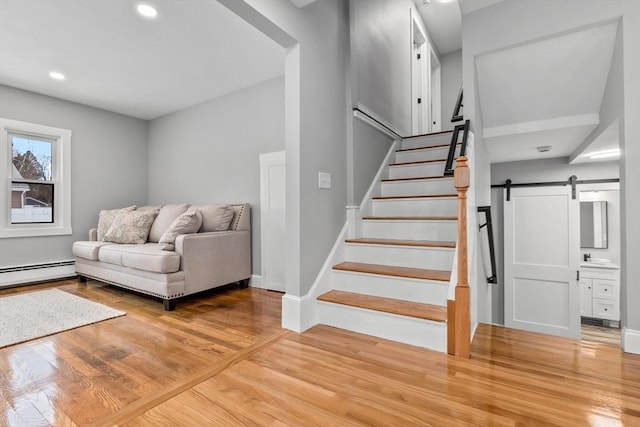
point(630, 341)
point(35, 275)
point(256, 281)
point(299, 313)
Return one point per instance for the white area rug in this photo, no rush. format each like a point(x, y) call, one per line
point(24, 317)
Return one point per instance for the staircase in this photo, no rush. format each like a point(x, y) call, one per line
point(394, 280)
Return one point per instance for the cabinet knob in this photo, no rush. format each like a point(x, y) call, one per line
point(606, 309)
point(605, 289)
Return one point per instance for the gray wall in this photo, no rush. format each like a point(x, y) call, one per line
point(555, 169)
point(209, 153)
point(370, 147)
point(108, 168)
point(381, 57)
point(316, 38)
point(451, 64)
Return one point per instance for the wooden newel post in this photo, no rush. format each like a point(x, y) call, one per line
point(462, 320)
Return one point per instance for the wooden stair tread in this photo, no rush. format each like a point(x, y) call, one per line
point(417, 178)
point(411, 218)
point(390, 270)
point(404, 308)
point(396, 242)
point(422, 135)
point(418, 162)
point(425, 147)
point(421, 196)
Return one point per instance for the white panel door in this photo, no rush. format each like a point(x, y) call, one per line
point(272, 220)
point(541, 260)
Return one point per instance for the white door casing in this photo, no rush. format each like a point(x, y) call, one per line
point(541, 261)
point(435, 91)
point(273, 220)
point(420, 79)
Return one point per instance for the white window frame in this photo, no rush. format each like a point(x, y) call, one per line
point(61, 177)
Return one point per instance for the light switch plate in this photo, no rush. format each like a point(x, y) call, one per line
point(324, 180)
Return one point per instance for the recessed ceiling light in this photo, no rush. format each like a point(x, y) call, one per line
point(57, 75)
point(604, 154)
point(147, 10)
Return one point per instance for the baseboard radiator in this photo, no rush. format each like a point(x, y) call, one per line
point(33, 273)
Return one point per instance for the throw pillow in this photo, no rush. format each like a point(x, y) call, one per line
point(131, 227)
point(187, 223)
point(168, 213)
point(216, 217)
point(106, 217)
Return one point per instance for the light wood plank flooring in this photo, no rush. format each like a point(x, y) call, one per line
point(222, 359)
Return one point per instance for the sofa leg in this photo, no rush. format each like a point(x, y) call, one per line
point(244, 283)
point(169, 304)
point(82, 280)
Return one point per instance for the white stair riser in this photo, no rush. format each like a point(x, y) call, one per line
point(417, 230)
point(417, 290)
point(417, 332)
point(420, 155)
point(416, 171)
point(401, 256)
point(411, 188)
point(443, 138)
point(415, 207)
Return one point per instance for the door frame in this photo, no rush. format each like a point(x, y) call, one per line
point(420, 78)
point(435, 82)
point(267, 161)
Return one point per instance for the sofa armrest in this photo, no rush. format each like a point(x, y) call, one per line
point(93, 234)
point(214, 259)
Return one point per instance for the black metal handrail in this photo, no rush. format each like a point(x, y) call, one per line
point(448, 168)
point(457, 116)
point(492, 252)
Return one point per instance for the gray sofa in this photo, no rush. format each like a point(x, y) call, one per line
point(194, 263)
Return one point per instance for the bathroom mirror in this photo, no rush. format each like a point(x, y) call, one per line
point(593, 225)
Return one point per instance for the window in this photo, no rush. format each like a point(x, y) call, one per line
point(35, 197)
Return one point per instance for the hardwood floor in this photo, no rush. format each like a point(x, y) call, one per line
point(223, 360)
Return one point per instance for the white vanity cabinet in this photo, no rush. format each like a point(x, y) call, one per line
point(600, 291)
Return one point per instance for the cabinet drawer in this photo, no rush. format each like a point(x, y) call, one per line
point(600, 273)
point(606, 289)
point(606, 309)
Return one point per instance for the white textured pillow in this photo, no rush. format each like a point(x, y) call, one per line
point(186, 223)
point(131, 227)
point(216, 217)
point(106, 217)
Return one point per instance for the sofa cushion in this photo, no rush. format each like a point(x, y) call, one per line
point(131, 227)
point(216, 217)
point(165, 218)
point(187, 223)
point(88, 249)
point(147, 257)
point(106, 217)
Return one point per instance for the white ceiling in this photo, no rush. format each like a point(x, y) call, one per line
point(546, 92)
point(116, 60)
point(444, 23)
point(468, 6)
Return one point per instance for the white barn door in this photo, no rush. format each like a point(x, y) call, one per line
point(541, 261)
point(272, 220)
